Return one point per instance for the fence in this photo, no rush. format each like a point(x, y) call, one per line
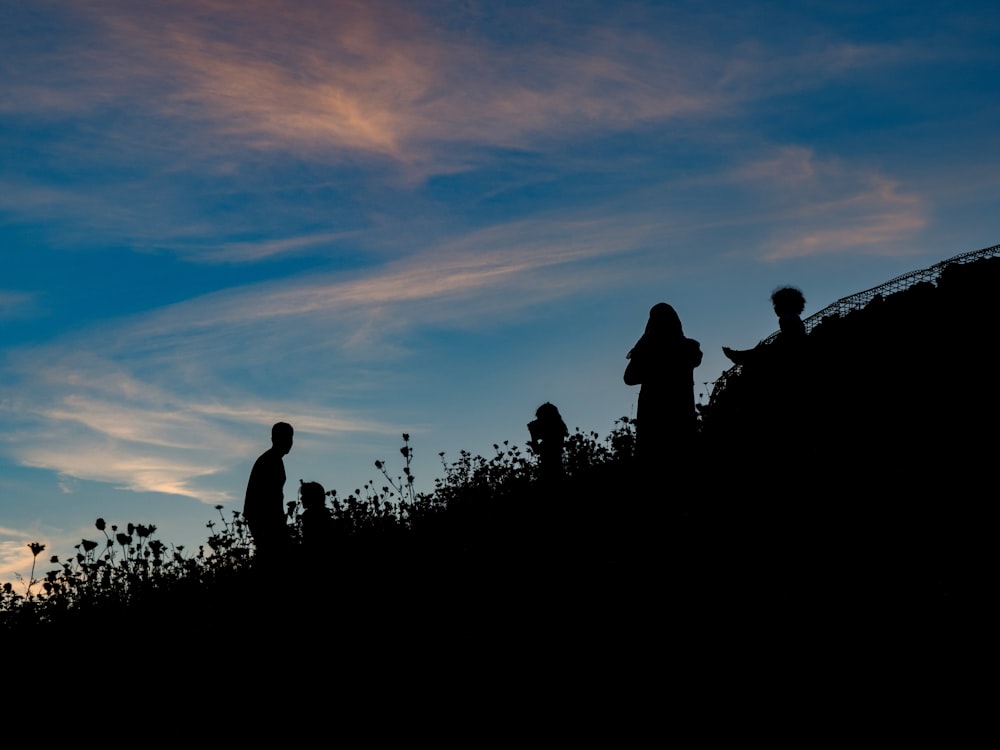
point(859, 300)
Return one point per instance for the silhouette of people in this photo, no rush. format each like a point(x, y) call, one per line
point(788, 303)
point(779, 374)
point(264, 506)
point(548, 432)
point(663, 362)
point(317, 523)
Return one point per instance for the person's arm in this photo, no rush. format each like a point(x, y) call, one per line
point(633, 370)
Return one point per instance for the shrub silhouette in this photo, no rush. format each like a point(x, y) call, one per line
point(374, 529)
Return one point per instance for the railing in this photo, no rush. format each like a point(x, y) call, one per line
point(859, 300)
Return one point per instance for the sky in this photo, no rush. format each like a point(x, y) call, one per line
point(375, 218)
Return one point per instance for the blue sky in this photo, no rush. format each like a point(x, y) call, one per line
point(371, 218)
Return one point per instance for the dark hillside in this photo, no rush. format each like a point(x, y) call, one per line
point(871, 444)
point(841, 494)
point(902, 380)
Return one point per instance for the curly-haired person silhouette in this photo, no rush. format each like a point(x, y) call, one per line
point(777, 412)
point(264, 506)
point(788, 303)
point(548, 433)
point(663, 362)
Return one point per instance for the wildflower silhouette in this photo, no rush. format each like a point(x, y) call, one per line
point(36, 550)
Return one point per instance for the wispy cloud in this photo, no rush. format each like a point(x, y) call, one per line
point(152, 405)
point(245, 252)
point(755, 70)
point(227, 91)
point(449, 281)
point(15, 557)
point(16, 304)
point(118, 212)
point(122, 446)
point(223, 93)
point(817, 206)
point(879, 218)
point(340, 80)
point(126, 467)
point(381, 79)
point(87, 418)
point(788, 167)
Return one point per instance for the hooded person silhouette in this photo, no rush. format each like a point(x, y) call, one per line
point(662, 362)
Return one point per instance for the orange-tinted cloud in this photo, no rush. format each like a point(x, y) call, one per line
point(877, 218)
point(381, 80)
point(102, 424)
point(815, 206)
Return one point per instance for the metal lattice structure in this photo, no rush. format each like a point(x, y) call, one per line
point(860, 300)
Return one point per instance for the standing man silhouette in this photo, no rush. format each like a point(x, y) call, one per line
point(264, 505)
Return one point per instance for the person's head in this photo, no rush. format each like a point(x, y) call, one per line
point(664, 321)
point(312, 495)
point(281, 437)
point(788, 301)
point(547, 412)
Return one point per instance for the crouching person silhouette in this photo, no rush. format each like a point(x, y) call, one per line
point(264, 505)
point(548, 433)
point(317, 523)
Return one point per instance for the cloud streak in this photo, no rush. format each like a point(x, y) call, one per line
point(480, 265)
point(16, 304)
point(380, 79)
point(110, 407)
point(250, 252)
point(338, 80)
point(86, 417)
point(877, 219)
point(392, 90)
point(820, 207)
point(123, 446)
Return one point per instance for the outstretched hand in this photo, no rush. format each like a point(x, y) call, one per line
point(735, 356)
